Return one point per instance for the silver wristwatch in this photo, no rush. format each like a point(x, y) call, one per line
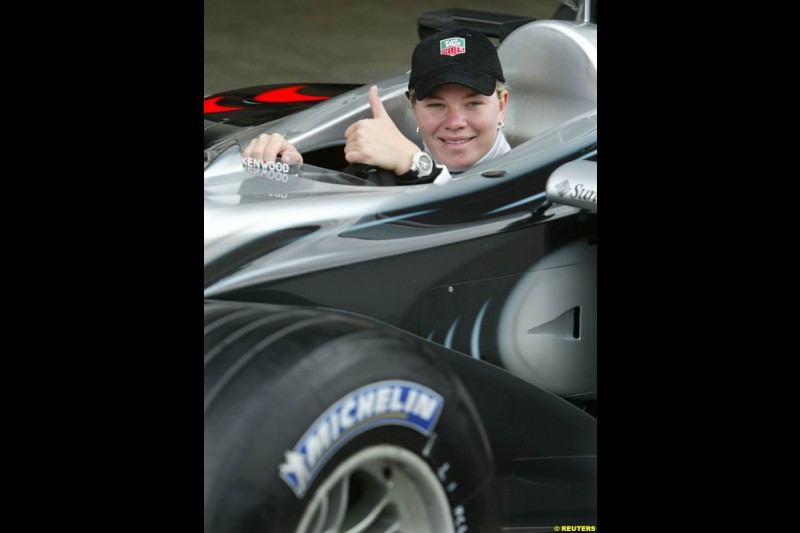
point(421, 164)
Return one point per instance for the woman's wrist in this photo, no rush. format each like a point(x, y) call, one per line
point(405, 160)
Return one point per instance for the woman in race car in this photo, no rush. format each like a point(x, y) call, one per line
point(457, 92)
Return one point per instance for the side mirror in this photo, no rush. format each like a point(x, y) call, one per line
point(575, 184)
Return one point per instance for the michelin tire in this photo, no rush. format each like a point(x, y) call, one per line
point(318, 421)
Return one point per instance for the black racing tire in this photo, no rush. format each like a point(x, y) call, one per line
point(279, 378)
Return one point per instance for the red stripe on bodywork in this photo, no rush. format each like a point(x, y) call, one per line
point(286, 95)
point(211, 106)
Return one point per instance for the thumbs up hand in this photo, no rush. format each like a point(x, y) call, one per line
point(377, 141)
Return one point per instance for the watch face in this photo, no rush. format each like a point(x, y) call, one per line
point(422, 165)
point(425, 163)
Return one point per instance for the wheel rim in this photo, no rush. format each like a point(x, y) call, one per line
point(381, 488)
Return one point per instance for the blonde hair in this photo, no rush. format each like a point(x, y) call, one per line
point(499, 88)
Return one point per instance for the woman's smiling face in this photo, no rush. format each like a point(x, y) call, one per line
point(458, 124)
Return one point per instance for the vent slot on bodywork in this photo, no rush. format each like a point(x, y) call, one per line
point(566, 326)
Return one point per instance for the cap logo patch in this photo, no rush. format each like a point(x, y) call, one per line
point(452, 46)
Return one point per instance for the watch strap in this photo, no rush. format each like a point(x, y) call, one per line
point(409, 178)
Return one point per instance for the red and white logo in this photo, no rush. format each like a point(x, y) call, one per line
point(452, 46)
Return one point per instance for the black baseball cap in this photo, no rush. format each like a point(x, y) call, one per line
point(458, 55)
